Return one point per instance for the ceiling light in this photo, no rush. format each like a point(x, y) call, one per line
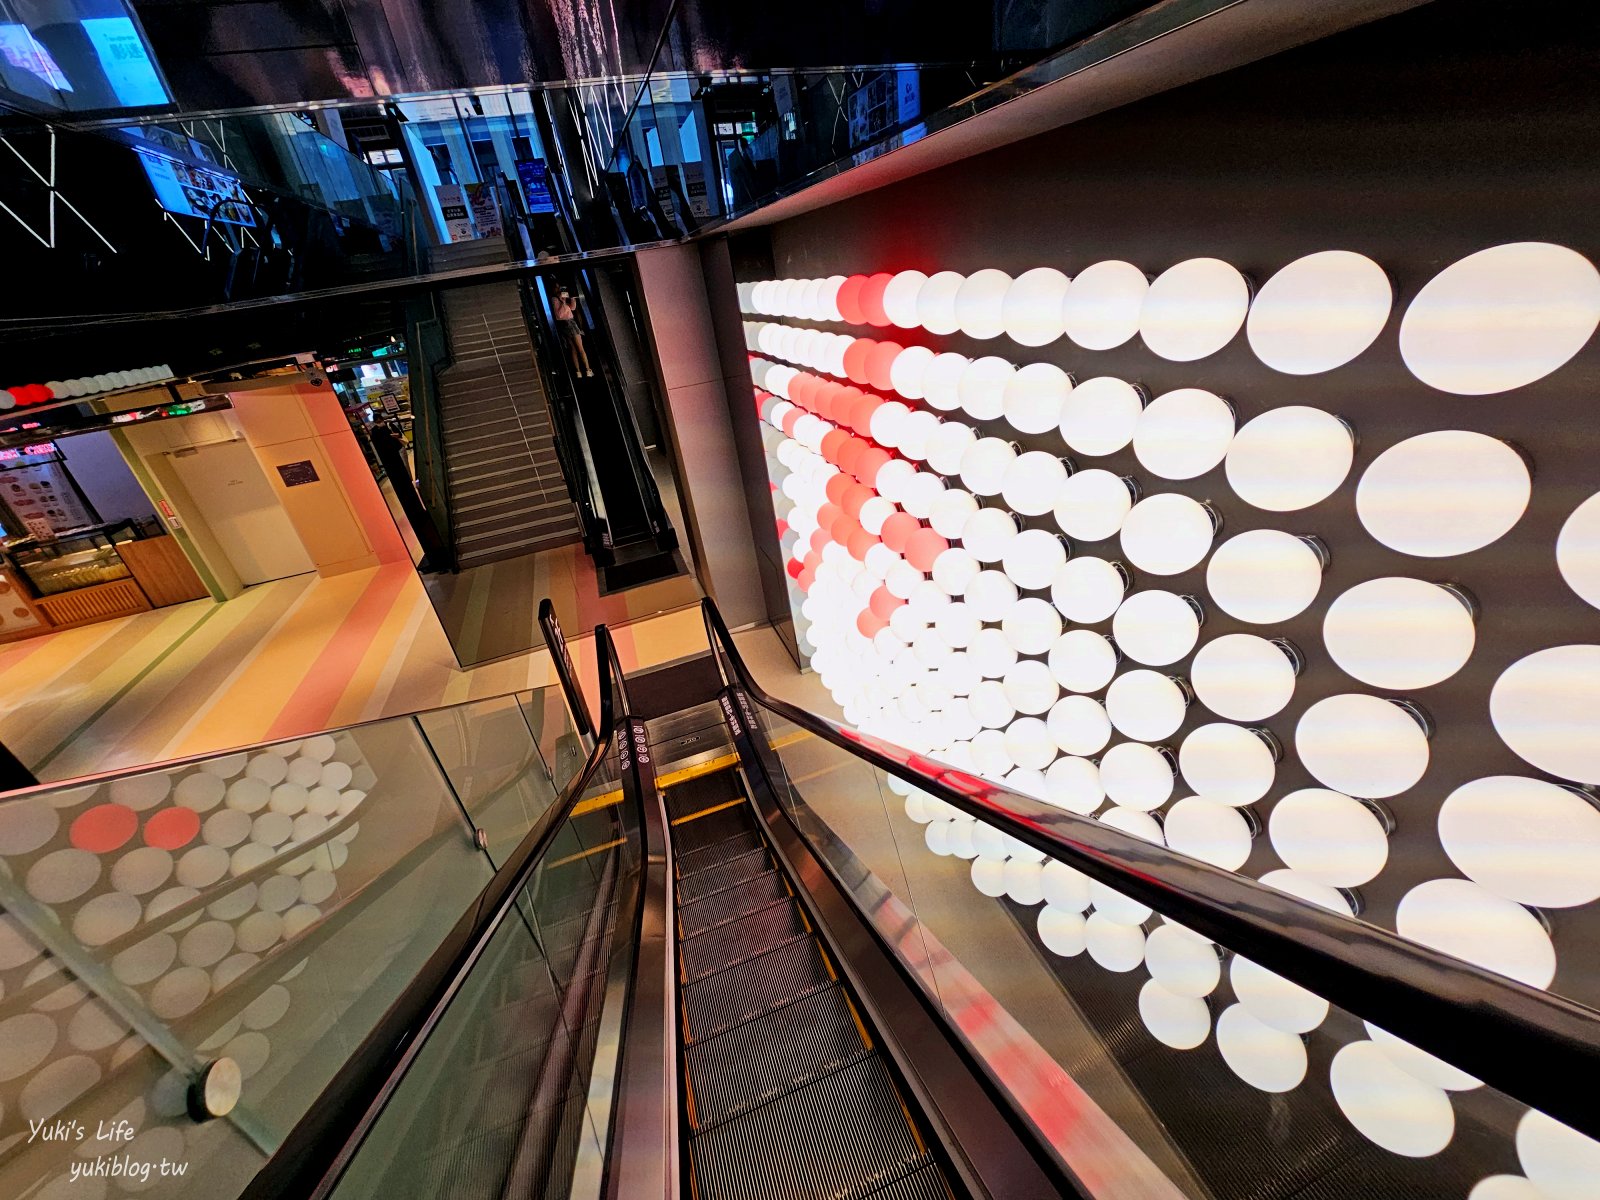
point(1472, 923)
point(1242, 677)
point(1208, 830)
point(1181, 1022)
point(1289, 458)
point(1079, 725)
point(1087, 589)
point(1029, 743)
point(984, 465)
point(1228, 763)
point(1399, 633)
point(1063, 932)
point(1033, 397)
point(1082, 661)
point(1034, 559)
point(1138, 779)
point(1073, 784)
point(988, 533)
point(1319, 312)
point(1032, 625)
point(1388, 1107)
point(1030, 687)
point(1443, 493)
point(1091, 505)
point(1033, 482)
point(1268, 1059)
point(1116, 947)
point(1182, 962)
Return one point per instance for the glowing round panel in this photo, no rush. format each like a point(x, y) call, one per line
point(1443, 493)
point(1181, 1022)
point(941, 381)
point(1387, 1106)
point(1063, 932)
point(936, 302)
point(982, 389)
point(1155, 627)
point(1328, 836)
point(1136, 777)
point(1024, 881)
point(1032, 310)
point(1087, 590)
point(1527, 840)
point(1469, 921)
point(1033, 397)
point(1193, 309)
point(1029, 743)
point(900, 298)
point(1319, 312)
point(1264, 576)
point(1227, 763)
point(980, 303)
point(1073, 784)
point(991, 654)
point(1114, 946)
point(1181, 962)
point(1208, 830)
point(1274, 1000)
point(910, 370)
point(1033, 483)
point(1167, 534)
point(1100, 415)
point(1419, 1064)
point(1183, 433)
point(1268, 1059)
point(1145, 705)
point(1034, 559)
point(1501, 318)
point(1561, 1162)
point(1032, 626)
point(1091, 505)
point(1578, 550)
point(1242, 677)
point(947, 444)
point(1103, 302)
point(988, 533)
point(984, 466)
point(1546, 707)
point(62, 875)
point(950, 512)
point(1030, 687)
point(991, 595)
point(1505, 1187)
point(1398, 633)
point(1079, 725)
point(1082, 661)
point(1361, 746)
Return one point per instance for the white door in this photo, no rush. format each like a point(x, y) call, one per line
point(232, 494)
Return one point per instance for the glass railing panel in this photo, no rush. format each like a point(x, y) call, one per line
point(487, 750)
point(501, 1095)
point(266, 906)
point(562, 747)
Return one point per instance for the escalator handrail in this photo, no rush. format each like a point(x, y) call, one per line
point(326, 1138)
point(1538, 1048)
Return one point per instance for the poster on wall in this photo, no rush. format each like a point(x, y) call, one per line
point(535, 176)
point(44, 500)
point(485, 209)
point(453, 207)
point(694, 186)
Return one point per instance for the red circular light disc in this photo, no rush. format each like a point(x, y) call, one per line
point(800, 392)
point(783, 527)
point(849, 300)
point(897, 531)
point(868, 624)
point(922, 547)
point(819, 539)
point(172, 828)
point(861, 414)
point(855, 359)
point(805, 579)
point(104, 828)
point(827, 515)
point(860, 542)
point(835, 488)
point(872, 300)
point(883, 602)
point(813, 559)
point(791, 418)
point(794, 566)
point(832, 442)
point(879, 361)
point(849, 453)
point(855, 496)
point(870, 463)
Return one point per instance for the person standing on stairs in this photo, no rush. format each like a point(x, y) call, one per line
point(565, 308)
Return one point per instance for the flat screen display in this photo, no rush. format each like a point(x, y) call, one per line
point(76, 56)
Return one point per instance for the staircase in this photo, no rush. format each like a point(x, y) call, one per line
point(507, 494)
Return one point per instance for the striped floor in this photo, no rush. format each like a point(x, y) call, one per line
point(286, 658)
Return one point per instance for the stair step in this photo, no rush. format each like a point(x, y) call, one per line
point(703, 832)
point(736, 870)
point(754, 988)
point(719, 852)
point(730, 944)
point(718, 908)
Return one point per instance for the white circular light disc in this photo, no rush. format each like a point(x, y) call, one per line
point(1328, 836)
point(1155, 627)
point(1398, 633)
point(984, 466)
point(988, 533)
point(1274, 1000)
point(1387, 1106)
point(1073, 784)
point(936, 302)
point(1561, 1162)
point(1242, 677)
point(1063, 932)
point(1167, 534)
point(1208, 830)
point(1136, 777)
point(946, 445)
point(941, 381)
point(1033, 482)
point(1181, 1022)
point(1034, 559)
point(1501, 318)
point(1289, 458)
point(1193, 309)
point(1079, 725)
point(1264, 576)
point(1183, 433)
point(1527, 840)
point(1092, 504)
point(1101, 310)
point(1099, 416)
point(1181, 962)
point(1419, 1064)
point(1546, 707)
point(1032, 311)
point(900, 298)
point(1462, 918)
point(1578, 550)
point(1087, 590)
point(1319, 312)
point(983, 385)
point(1227, 763)
point(1082, 660)
point(1033, 397)
point(1146, 705)
point(1268, 1059)
point(1443, 493)
point(980, 303)
point(1116, 947)
point(1361, 746)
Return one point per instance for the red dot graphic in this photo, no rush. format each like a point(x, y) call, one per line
point(104, 828)
point(172, 828)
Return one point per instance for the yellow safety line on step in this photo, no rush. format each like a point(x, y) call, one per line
point(706, 812)
point(670, 779)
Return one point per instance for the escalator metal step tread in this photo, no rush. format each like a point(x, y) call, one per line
point(707, 830)
point(717, 853)
point(925, 1183)
point(754, 988)
point(722, 947)
point(472, 1169)
point(760, 1060)
point(697, 916)
point(736, 870)
point(843, 1137)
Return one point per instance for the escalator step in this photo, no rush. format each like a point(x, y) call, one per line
point(709, 911)
point(753, 988)
point(708, 830)
point(705, 791)
point(736, 941)
point(715, 879)
point(925, 1183)
point(717, 853)
point(844, 1136)
point(760, 1060)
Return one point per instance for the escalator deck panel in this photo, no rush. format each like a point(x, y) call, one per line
point(827, 1141)
point(722, 947)
point(760, 1060)
point(730, 904)
point(753, 988)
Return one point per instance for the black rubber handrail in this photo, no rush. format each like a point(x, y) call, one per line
point(325, 1139)
point(1540, 1049)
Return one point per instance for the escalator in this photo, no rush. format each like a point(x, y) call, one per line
point(704, 944)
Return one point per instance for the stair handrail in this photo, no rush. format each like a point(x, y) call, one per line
point(1537, 1048)
point(315, 1153)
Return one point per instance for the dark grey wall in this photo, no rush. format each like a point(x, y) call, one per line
point(1416, 140)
